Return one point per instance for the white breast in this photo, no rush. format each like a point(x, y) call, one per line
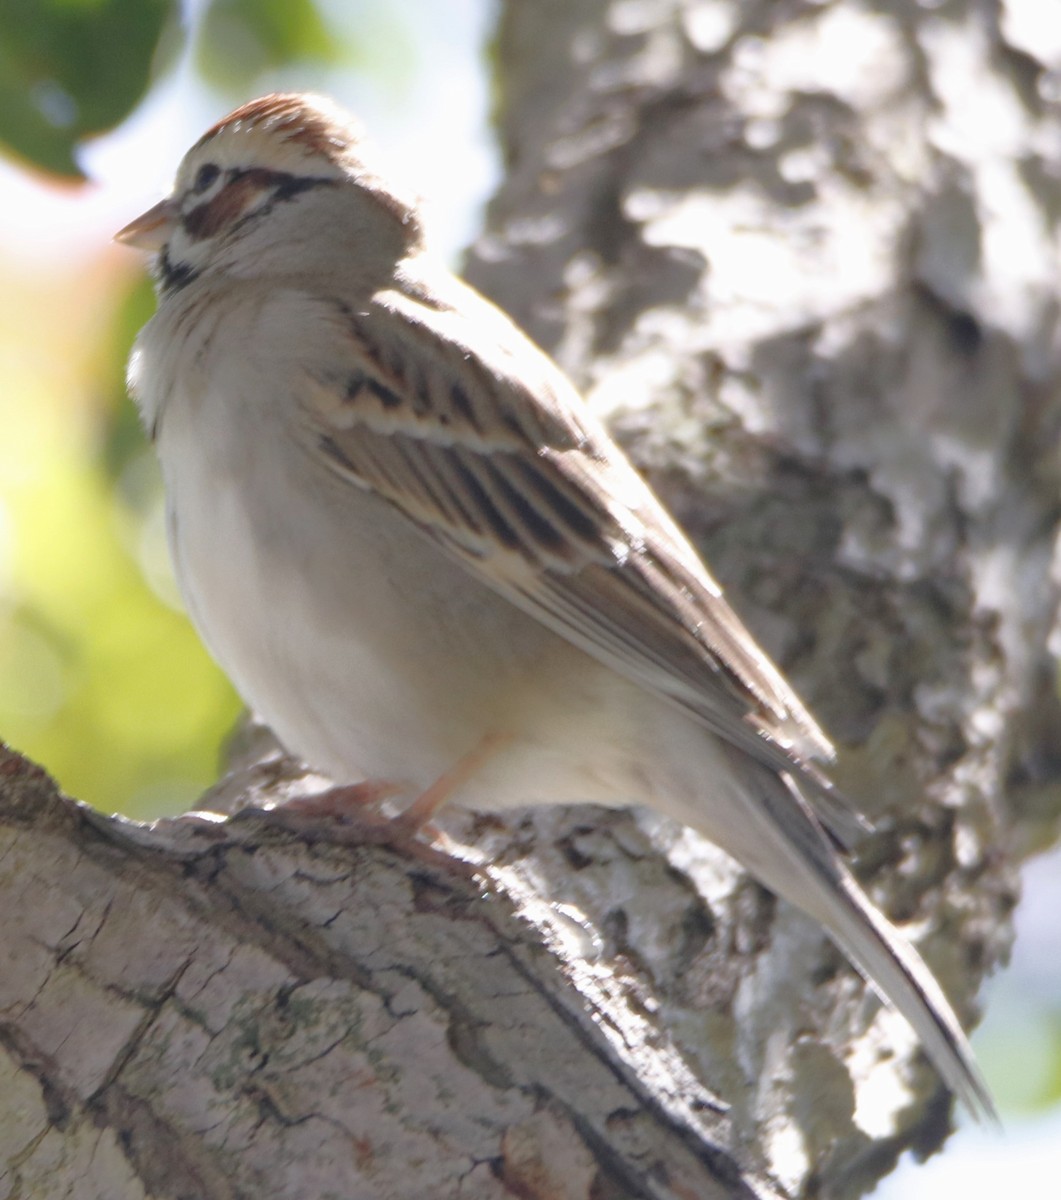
point(366, 648)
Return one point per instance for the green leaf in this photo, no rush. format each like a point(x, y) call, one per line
point(240, 39)
point(72, 68)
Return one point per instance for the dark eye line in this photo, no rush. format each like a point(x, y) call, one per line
point(283, 183)
point(248, 193)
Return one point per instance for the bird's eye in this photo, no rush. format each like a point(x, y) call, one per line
point(205, 176)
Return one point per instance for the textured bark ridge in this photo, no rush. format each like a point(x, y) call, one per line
point(213, 1008)
point(804, 257)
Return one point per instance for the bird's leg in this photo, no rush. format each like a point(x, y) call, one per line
point(359, 801)
point(428, 803)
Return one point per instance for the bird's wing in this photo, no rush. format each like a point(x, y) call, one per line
point(473, 434)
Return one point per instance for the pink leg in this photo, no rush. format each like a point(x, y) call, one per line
point(428, 803)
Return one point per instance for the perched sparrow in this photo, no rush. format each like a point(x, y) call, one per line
point(420, 558)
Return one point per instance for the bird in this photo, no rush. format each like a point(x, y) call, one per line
point(422, 559)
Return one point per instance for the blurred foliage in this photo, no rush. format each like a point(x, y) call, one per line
point(69, 68)
point(72, 68)
point(1050, 1093)
point(101, 677)
point(240, 39)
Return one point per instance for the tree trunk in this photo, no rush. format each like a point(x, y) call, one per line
point(804, 258)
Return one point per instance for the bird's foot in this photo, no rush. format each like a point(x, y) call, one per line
point(352, 802)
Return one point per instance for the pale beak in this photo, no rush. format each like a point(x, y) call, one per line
point(150, 230)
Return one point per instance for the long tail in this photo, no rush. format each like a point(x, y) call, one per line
point(779, 839)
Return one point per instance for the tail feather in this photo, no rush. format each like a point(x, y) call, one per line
point(779, 839)
point(901, 978)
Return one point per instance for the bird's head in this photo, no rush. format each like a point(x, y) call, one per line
point(274, 187)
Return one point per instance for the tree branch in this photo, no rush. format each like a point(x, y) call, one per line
point(225, 1009)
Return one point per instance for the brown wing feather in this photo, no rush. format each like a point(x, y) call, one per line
point(538, 502)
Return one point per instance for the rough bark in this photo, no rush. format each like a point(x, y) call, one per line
point(206, 1010)
point(804, 258)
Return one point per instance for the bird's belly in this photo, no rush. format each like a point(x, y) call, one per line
point(372, 654)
